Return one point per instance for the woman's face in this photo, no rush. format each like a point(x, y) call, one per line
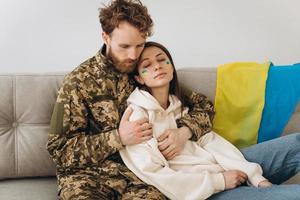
point(154, 68)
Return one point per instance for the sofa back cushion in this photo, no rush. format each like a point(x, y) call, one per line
point(26, 104)
point(203, 80)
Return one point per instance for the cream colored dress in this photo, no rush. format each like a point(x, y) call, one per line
point(194, 174)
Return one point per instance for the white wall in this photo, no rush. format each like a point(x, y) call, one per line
point(57, 35)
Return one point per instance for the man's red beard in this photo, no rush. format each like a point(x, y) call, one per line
point(123, 66)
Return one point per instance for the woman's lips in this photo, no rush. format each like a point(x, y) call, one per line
point(159, 75)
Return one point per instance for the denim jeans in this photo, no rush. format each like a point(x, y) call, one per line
point(280, 160)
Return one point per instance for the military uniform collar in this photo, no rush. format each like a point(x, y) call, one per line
point(105, 63)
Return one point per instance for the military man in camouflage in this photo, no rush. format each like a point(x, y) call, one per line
point(87, 128)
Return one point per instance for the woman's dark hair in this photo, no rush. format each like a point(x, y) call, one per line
point(174, 84)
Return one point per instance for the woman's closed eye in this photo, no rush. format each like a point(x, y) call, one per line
point(161, 58)
point(146, 64)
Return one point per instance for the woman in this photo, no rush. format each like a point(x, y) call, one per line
point(204, 167)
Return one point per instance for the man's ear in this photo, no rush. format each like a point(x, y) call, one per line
point(105, 37)
point(139, 79)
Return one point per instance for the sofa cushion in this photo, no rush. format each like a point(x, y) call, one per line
point(26, 104)
point(29, 189)
point(203, 80)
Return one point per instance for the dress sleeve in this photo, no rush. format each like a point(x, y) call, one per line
point(146, 161)
point(151, 169)
point(230, 158)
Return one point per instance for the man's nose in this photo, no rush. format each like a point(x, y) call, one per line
point(133, 54)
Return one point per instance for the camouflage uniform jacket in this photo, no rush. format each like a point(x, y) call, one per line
point(83, 136)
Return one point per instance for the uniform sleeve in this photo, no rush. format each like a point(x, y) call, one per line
point(76, 138)
point(200, 115)
point(230, 158)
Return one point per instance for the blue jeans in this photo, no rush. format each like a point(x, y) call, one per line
point(280, 160)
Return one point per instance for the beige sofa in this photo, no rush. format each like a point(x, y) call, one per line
point(26, 102)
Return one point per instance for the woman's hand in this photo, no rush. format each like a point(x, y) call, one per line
point(172, 141)
point(265, 183)
point(234, 178)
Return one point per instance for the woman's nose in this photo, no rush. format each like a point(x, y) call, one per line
point(156, 67)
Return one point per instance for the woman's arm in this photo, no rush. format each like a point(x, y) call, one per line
point(152, 169)
point(230, 158)
point(193, 122)
point(147, 162)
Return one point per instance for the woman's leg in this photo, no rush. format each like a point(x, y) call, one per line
point(276, 192)
point(279, 158)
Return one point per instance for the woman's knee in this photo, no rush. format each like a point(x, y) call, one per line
point(292, 141)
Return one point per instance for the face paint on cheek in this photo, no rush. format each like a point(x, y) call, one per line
point(167, 62)
point(144, 72)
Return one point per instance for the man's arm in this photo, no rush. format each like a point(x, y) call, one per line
point(76, 139)
point(134, 129)
point(192, 125)
point(200, 116)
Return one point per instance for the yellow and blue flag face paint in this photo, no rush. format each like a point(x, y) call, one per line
point(145, 72)
point(282, 98)
point(239, 101)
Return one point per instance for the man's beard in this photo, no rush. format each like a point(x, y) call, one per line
point(123, 66)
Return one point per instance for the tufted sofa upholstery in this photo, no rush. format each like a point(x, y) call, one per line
point(26, 103)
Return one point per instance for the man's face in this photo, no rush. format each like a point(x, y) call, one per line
point(124, 46)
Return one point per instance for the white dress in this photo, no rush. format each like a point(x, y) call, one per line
point(194, 174)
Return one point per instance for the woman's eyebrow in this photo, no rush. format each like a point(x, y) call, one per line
point(158, 54)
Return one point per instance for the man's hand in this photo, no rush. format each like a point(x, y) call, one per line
point(134, 132)
point(172, 141)
point(265, 183)
point(234, 178)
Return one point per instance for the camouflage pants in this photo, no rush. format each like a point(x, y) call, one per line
point(87, 187)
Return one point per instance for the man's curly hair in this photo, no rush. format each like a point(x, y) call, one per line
point(131, 11)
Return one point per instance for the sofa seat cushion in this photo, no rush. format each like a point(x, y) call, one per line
point(29, 189)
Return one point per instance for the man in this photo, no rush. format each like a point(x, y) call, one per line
point(86, 128)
